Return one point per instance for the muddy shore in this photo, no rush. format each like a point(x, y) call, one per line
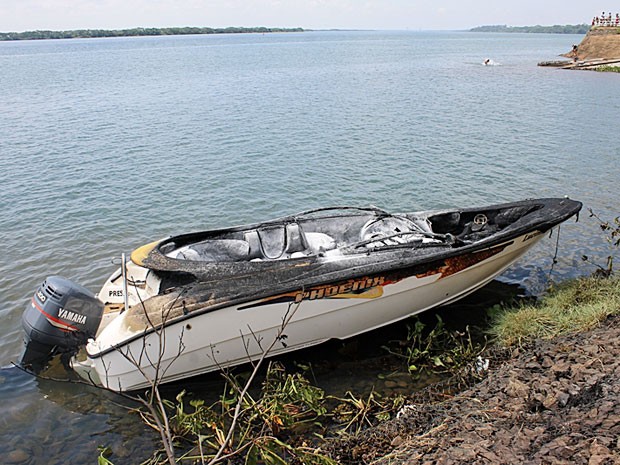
point(551, 402)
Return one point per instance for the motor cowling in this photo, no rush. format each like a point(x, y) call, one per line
point(60, 318)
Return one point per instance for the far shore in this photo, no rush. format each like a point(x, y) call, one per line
point(187, 30)
point(137, 32)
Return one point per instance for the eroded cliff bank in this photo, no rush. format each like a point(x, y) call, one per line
point(600, 43)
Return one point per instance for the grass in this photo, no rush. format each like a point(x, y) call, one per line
point(609, 69)
point(573, 306)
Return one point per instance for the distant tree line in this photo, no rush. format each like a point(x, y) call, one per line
point(557, 29)
point(138, 31)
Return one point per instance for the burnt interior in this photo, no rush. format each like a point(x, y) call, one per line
point(470, 226)
point(343, 233)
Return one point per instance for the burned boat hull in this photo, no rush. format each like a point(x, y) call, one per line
point(198, 302)
point(222, 319)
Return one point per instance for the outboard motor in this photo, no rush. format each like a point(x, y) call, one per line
point(61, 317)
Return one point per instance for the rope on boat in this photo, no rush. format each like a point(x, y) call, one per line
point(555, 255)
point(371, 208)
point(447, 239)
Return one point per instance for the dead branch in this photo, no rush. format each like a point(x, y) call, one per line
point(290, 312)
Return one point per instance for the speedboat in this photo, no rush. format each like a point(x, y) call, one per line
point(203, 301)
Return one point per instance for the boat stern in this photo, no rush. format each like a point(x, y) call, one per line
point(85, 368)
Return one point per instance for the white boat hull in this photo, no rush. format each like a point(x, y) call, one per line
point(237, 334)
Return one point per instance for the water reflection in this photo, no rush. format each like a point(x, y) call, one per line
point(56, 422)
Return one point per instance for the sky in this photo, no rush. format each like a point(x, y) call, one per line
point(27, 15)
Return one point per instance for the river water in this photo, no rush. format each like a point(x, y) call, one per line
point(106, 144)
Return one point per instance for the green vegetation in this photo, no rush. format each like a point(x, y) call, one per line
point(571, 307)
point(139, 31)
point(608, 69)
point(557, 29)
point(435, 351)
point(284, 423)
point(287, 404)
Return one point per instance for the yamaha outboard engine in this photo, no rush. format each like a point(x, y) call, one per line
point(61, 317)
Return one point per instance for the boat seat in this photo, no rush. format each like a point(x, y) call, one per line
point(276, 242)
point(216, 250)
point(320, 242)
point(295, 239)
point(253, 240)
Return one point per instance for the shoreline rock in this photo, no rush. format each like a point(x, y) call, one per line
point(551, 402)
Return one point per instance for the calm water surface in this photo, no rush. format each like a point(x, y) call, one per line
point(107, 144)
